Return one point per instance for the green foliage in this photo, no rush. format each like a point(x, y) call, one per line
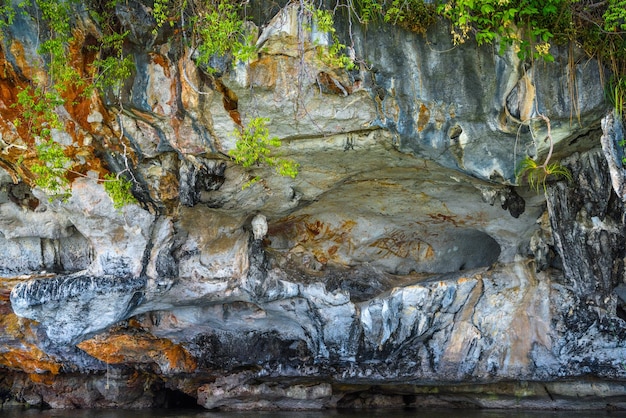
point(220, 30)
point(616, 93)
point(38, 105)
point(526, 25)
point(414, 15)
point(160, 13)
point(368, 11)
point(334, 56)
point(537, 175)
point(51, 168)
point(38, 115)
point(113, 71)
point(7, 15)
point(115, 68)
point(254, 147)
point(119, 190)
point(615, 16)
point(37, 108)
point(57, 16)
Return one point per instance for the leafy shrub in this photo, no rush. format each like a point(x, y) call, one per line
point(254, 147)
point(119, 190)
point(220, 30)
point(51, 168)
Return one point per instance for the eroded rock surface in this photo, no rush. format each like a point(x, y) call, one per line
point(403, 259)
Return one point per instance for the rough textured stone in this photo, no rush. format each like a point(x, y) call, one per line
point(402, 260)
point(118, 238)
point(613, 148)
point(135, 347)
point(236, 392)
point(73, 307)
point(587, 221)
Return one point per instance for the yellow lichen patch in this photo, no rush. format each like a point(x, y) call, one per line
point(29, 359)
point(25, 63)
point(168, 187)
point(21, 353)
point(163, 62)
point(263, 72)
point(139, 348)
point(47, 379)
point(423, 117)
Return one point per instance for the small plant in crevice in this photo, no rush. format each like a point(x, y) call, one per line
point(334, 55)
point(615, 91)
point(536, 174)
point(255, 147)
point(51, 169)
point(112, 70)
point(218, 29)
point(119, 190)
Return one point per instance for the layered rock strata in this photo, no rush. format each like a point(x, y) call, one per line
point(403, 266)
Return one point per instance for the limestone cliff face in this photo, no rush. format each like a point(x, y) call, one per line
point(402, 257)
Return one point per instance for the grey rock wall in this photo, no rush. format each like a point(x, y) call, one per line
point(403, 258)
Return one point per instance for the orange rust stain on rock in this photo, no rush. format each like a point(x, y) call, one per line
point(24, 62)
point(162, 61)
point(81, 108)
point(47, 379)
point(263, 72)
point(316, 237)
point(139, 347)
point(78, 105)
point(30, 359)
point(25, 355)
point(315, 228)
point(423, 117)
point(320, 256)
point(329, 83)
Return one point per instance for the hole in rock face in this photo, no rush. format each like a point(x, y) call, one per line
point(455, 132)
point(621, 313)
point(470, 249)
point(21, 195)
point(175, 399)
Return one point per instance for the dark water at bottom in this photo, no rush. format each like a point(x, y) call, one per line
point(415, 413)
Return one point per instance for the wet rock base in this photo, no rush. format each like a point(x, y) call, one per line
point(119, 389)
